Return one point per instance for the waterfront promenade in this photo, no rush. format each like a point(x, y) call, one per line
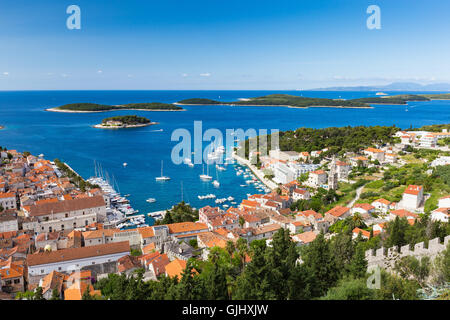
point(270, 184)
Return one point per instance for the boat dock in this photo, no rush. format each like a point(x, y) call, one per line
point(270, 184)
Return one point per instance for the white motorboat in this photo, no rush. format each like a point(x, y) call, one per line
point(151, 200)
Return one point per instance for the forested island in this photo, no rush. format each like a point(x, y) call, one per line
point(397, 99)
point(128, 121)
point(94, 107)
point(286, 100)
point(282, 100)
point(441, 96)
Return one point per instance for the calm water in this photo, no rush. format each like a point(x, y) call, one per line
point(71, 138)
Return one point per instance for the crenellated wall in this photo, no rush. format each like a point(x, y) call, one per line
point(386, 257)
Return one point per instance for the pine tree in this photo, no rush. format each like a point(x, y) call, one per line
point(321, 264)
point(86, 295)
point(55, 294)
point(358, 265)
point(38, 294)
point(252, 283)
point(280, 259)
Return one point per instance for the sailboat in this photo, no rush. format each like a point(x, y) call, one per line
point(204, 176)
point(162, 177)
point(216, 182)
point(182, 198)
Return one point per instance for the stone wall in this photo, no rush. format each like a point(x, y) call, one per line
point(386, 257)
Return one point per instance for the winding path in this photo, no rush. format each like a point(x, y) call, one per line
point(358, 193)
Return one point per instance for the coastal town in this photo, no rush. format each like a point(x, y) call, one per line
point(59, 234)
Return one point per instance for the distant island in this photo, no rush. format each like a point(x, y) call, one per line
point(120, 122)
point(281, 100)
point(286, 100)
point(395, 86)
point(94, 107)
point(397, 99)
point(442, 96)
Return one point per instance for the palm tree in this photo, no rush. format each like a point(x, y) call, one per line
point(357, 219)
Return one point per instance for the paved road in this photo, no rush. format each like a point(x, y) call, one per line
point(358, 193)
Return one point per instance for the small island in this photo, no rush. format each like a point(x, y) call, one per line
point(120, 122)
point(281, 100)
point(94, 107)
point(397, 99)
point(437, 96)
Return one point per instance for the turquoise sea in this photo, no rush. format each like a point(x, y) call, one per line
point(71, 138)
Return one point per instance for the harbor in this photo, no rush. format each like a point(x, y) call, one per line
point(119, 212)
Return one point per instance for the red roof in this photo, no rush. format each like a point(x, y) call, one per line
point(414, 190)
point(338, 211)
point(404, 213)
point(364, 206)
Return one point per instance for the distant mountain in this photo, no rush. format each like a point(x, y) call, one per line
point(396, 86)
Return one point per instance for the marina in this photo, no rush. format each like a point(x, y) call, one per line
point(119, 212)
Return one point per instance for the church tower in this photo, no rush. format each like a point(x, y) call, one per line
point(333, 176)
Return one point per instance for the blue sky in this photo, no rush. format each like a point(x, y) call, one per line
point(211, 44)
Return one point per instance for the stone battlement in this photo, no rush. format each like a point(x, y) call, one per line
point(386, 257)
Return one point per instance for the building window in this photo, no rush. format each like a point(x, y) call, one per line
point(42, 271)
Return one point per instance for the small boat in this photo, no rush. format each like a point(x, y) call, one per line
point(204, 176)
point(216, 183)
point(151, 200)
point(162, 177)
point(125, 164)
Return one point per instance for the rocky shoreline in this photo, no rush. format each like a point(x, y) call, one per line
point(75, 111)
point(270, 105)
point(101, 126)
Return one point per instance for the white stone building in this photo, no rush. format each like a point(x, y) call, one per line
point(8, 200)
point(73, 259)
point(412, 197)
